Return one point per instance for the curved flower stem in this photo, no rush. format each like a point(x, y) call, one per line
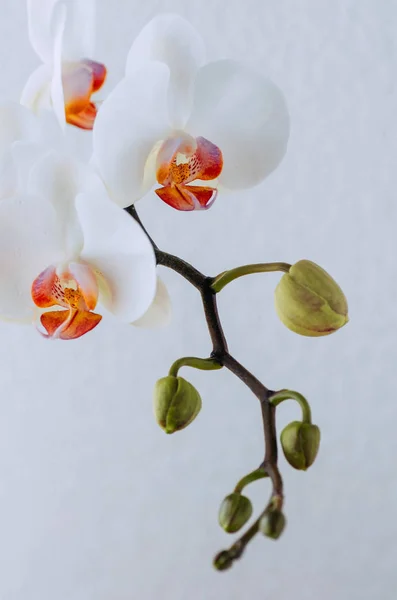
point(250, 478)
point(223, 279)
point(204, 364)
point(132, 211)
point(283, 395)
point(220, 354)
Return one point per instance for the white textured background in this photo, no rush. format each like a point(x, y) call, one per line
point(96, 503)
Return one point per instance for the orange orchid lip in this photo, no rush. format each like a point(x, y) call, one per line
point(187, 197)
point(77, 301)
point(69, 325)
point(80, 81)
point(182, 160)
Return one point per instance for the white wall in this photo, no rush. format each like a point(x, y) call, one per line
point(96, 503)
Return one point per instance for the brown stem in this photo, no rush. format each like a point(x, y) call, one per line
point(219, 343)
point(192, 275)
point(221, 353)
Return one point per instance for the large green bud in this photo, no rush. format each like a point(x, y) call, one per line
point(176, 403)
point(234, 512)
point(300, 442)
point(272, 524)
point(309, 302)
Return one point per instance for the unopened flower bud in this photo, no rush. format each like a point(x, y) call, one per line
point(272, 524)
point(234, 512)
point(176, 403)
point(222, 561)
point(300, 442)
point(309, 302)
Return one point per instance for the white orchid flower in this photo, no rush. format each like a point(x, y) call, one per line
point(189, 125)
point(65, 247)
point(62, 34)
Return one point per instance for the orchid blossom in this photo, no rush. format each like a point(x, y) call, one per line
point(65, 247)
point(190, 126)
point(62, 34)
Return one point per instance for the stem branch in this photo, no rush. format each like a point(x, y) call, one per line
point(208, 287)
point(204, 364)
point(227, 277)
point(250, 478)
point(283, 395)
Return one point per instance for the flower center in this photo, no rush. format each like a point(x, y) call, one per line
point(181, 160)
point(80, 80)
point(74, 290)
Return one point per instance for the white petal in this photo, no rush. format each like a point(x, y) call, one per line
point(24, 157)
point(51, 134)
point(57, 94)
point(79, 40)
point(245, 115)
point(171, 39)
point(116, 246)
point(8, 176)
point(159, 313)
point(29, 149)
point(129, 123)
point(40, 14)
point(17, 123)
point(29, 242)
point(58, 179)
point(36, 94)
point(80, 30)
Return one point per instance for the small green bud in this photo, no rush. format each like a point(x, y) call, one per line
point(300, 442)
point(309, 302)
point(234, 512)
point(222, 561)
point(272, 524)
point(176, 403)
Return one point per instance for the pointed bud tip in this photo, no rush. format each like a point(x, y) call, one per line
point(222, 561)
